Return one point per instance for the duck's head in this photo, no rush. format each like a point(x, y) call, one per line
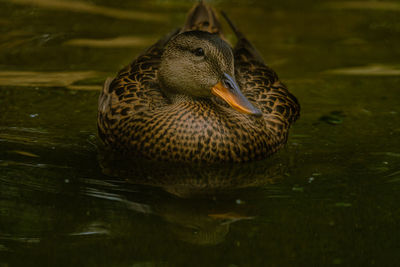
point(200, 64)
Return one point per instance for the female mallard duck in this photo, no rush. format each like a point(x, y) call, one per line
point(192, 98)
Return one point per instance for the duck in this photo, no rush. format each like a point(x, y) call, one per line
point(192, 97)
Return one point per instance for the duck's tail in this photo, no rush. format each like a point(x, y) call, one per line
point(202, 17)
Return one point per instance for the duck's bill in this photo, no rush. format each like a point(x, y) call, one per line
point(229, 91)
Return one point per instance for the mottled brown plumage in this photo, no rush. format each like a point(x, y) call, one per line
point(141, 113)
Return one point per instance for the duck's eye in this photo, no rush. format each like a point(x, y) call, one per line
point(199, 52)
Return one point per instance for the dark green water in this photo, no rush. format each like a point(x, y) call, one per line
point(331, 197)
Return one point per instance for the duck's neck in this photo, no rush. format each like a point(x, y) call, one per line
point(183, 98)
point(212, 109)
point(199, 106)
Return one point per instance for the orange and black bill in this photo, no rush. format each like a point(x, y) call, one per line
point(229, 91)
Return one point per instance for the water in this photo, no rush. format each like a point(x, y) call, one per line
point(330, 197)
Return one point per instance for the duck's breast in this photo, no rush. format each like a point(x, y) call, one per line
point(187, 132)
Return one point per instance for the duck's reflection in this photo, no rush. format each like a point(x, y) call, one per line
point(197, 203)
point(145, 207)
point(194, 180)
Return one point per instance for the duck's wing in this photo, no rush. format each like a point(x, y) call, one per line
point(134, 90)
point(261, 84)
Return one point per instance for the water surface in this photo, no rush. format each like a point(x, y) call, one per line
point(330, 197)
